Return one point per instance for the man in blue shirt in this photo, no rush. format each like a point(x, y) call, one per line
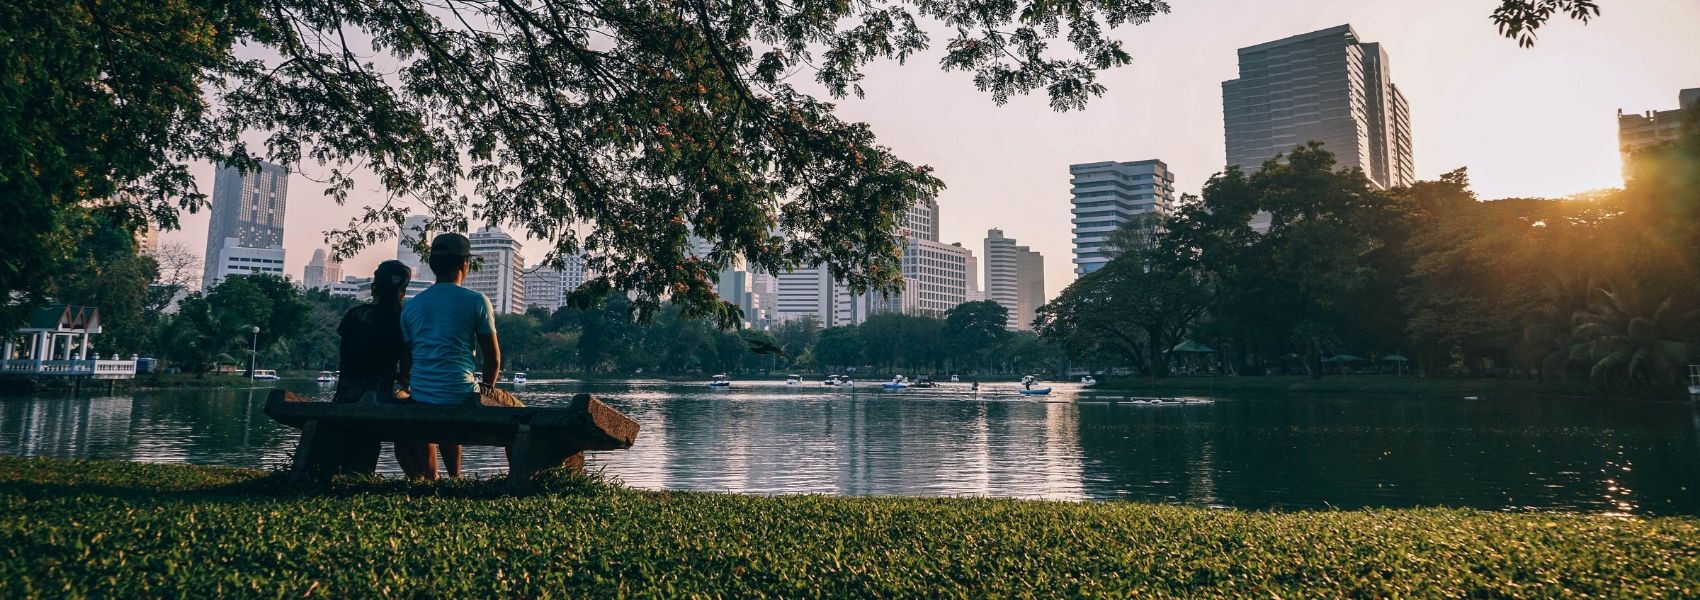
point(444, 325)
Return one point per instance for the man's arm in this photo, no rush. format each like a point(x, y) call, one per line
point(490, 353)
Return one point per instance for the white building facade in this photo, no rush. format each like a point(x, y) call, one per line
point(935, 276)
point(1108, 194)
point(322, 271)
point(233, 259)
point(813, 293)
point(500, 271)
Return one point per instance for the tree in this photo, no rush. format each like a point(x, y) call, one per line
point(975, 330)
point(1132, 306)
point(838, 347)
point(796, 336)
point(105, 272)
point(519, 335)
point(1634, 338)
point(179, 269)
point(627, 126)
point(200, 334)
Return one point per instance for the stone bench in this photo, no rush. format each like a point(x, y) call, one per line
point(342, 437)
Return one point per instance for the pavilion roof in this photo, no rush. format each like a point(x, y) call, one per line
point(64, 318)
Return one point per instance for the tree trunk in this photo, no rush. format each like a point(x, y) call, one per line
point(1157, 360)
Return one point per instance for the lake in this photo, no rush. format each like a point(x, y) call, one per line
point(1263, 452)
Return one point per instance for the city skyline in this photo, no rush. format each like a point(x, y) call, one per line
point(1477, 100)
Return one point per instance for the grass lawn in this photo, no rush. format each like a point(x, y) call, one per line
point(114, 529)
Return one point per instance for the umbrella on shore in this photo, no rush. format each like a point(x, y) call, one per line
point(1190, 346)
point(1340, 358)
point(1395, 358)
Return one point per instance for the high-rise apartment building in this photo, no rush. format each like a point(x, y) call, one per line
point(500, 271)
point(922, 220)
point(548, 287)
point(1327, 86)
point(974, 293)
point(1636, 132)
point(1108, 194)
point(766, 289)
point(322, 271)
point(414, 229)
point(1015, 279)
point(935, 277)
point(935, 274)
point(147, 238)
point(543, 287)
point(812, 292)
point(1002, 273)
point(247, 208)
point(1029, 287)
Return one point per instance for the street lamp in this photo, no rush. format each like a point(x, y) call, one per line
point(253, 354)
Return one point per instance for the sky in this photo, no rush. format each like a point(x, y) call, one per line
point(1528, 122)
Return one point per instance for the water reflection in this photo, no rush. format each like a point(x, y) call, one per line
point(1618, 457)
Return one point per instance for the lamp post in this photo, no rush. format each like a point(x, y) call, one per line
point(253, 355)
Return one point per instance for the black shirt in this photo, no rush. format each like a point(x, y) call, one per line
point(372, 349)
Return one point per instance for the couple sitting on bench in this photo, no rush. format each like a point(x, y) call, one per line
point(423, 352)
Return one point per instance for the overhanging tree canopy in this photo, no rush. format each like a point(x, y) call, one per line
point(614, 129)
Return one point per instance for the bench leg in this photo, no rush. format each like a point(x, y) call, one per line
point(328, 450)
point(531, 455)
point(299, 472)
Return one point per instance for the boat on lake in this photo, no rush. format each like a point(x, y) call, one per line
point(898, 382)
point(324, 377)
point(719, 381)
point(1088, 380)
point(924, 381)
point(838, 381)
point(793, 380)
point(265, 375)
point(1027, 389)
point(519, 378)
point(1036, 392)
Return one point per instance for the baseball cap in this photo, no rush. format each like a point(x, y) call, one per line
point(451, 244)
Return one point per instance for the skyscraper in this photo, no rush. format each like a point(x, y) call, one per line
point(1636, 132)
point(543, 287)
point(935, 276)
point(322, 271)
point(416, 228)
point(922, 220)
point(813, 293)
point(245, 233)
point(500, 274)
point(974, 293)
point(1108, 194)
point(547, 286)
point(1029, 286)
point(1002, 268)
point(1326, 86)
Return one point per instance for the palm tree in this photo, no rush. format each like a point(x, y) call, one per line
point(1629, 338)
point(1548, 326)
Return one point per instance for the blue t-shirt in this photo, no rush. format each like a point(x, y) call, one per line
point(442, 325)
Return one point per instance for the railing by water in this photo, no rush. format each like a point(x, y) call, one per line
point(95, 368)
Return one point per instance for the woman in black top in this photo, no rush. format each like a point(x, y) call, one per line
point(374, 359)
